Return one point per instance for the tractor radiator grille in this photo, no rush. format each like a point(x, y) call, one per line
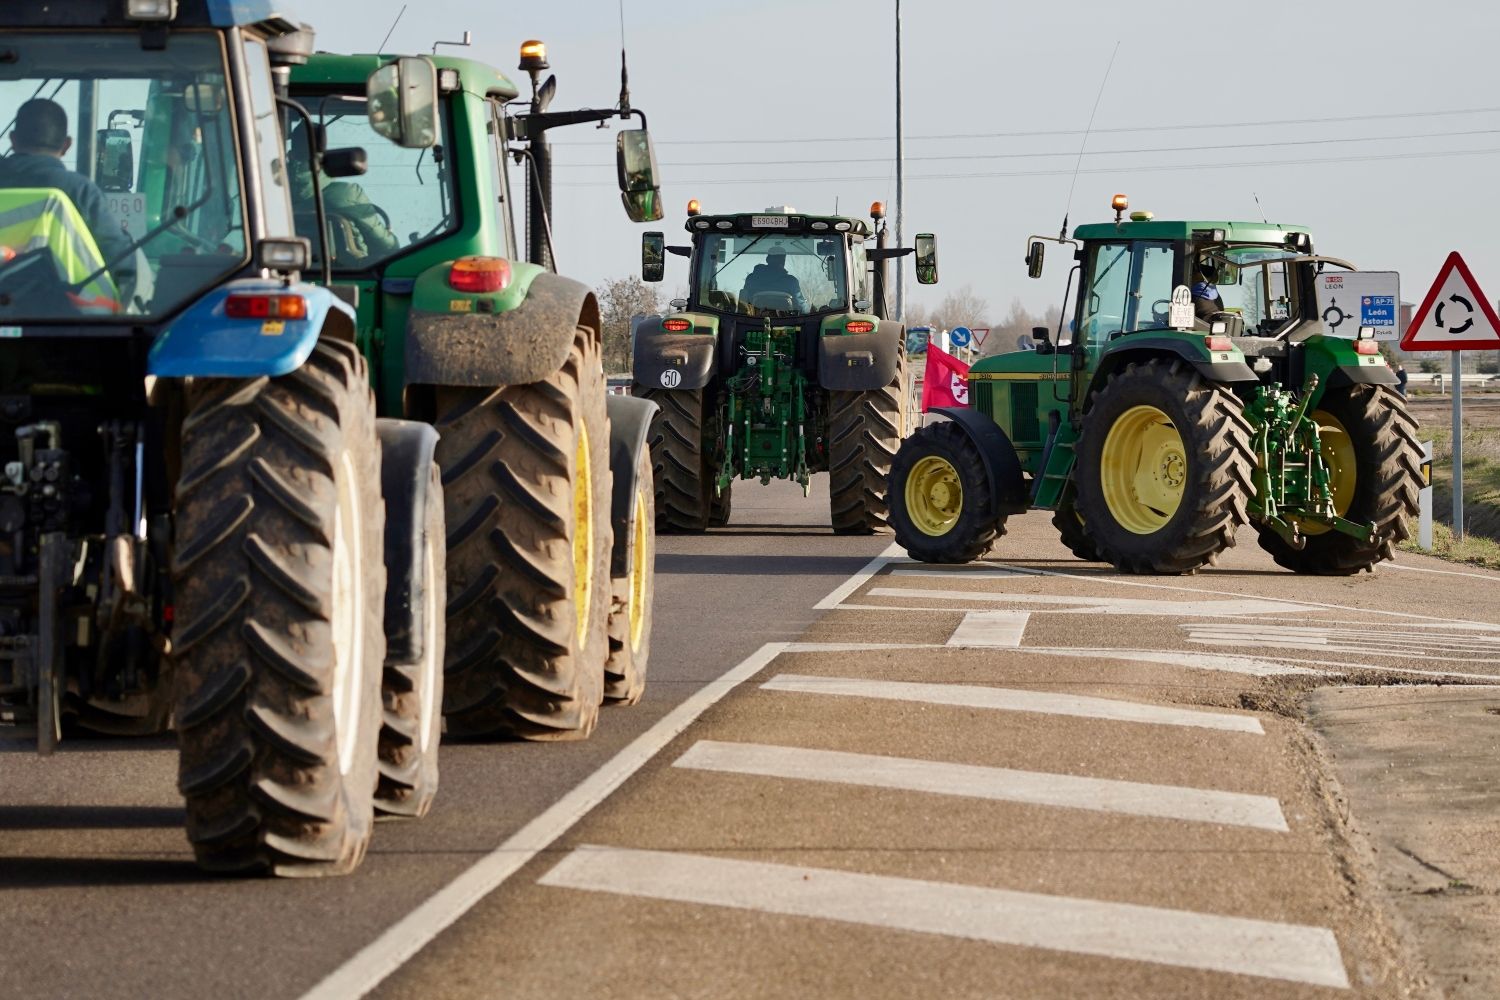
point(983, 395)
point(1025, 428)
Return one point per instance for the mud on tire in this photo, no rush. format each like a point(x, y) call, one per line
point(528, 551)
point(279, 582)
point(681, 460)
point(864, 431)
point(630, 614)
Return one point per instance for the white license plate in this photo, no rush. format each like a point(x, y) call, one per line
point(767, 222)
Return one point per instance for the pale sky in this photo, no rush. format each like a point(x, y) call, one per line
point(731, 89)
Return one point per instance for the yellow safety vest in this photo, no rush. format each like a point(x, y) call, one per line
point(31, 218)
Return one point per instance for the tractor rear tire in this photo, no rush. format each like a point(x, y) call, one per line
point(630, 616)
point(941, 504)
point(721, 508)
point(279, 581)
point(412, 693)
point(1072, 531)
point(1164, 469)
point(865, 430)
point(681, 461)
point(527, 491)
point(1382, 443)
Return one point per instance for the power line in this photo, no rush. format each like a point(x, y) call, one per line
point(1101, 131)
point(1140, 168)
point(1097, 152)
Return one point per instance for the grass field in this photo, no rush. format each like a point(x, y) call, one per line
point(1481, 545)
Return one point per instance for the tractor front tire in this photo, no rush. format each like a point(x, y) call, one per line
point(631, 599)
point(413, 692)
point(681, 461)
point(526, 488)
point(1164, 470)
point(941, 504)
point(1364, 430)
point(279, 581)
point(864, 432)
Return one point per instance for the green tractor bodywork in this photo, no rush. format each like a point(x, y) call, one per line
point(545, 476)
point(1154, 436)
point(780, 364)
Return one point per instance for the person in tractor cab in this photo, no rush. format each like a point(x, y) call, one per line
point(360, 229)
point(1206, 298)
point(772, 276)
point(39, 141)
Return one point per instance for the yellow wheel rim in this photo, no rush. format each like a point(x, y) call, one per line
point(1143, 470)
point(640, 568)
point(583, 533)
point(934, 496)
point(1343, 468)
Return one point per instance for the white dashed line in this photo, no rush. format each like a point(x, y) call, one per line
point(990, 628)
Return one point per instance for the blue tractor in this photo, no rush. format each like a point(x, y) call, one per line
point(203, 525)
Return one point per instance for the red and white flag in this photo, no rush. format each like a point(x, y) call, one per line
point(945, 382)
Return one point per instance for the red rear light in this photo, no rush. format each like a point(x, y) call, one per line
point(676, 325)
point(860, 326)
point(1366, 347)
point(265, 307)
point(479, 275)
point(1220, 344)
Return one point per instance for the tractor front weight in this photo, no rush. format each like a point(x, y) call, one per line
point(765, 415)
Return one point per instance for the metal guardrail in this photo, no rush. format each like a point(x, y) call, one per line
point(1443, 382)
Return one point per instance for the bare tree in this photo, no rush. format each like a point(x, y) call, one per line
point(960, 308)
point(619, 300)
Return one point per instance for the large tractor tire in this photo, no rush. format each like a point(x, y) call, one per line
point(1369, 441)
point(527, 490)
point(721, 508)
point(941, 504)
point(631, 598)
point(1072, 531)
point(864, 432)
point(279, 580)
point(1164, 470)
point(681, 460)
point(412, 693)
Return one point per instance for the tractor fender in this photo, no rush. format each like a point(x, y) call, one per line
point(1336, 359)
point(854, 362)
point(1362, 375)
point(515, 347)
point(407, 448)
point(665, 360)
point(629, 422)
point(1145, 348)
point(203, 342)
point(1002, 466)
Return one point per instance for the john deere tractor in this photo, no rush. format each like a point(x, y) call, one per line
point(779, 364)
point(545, 477)
point(1202, 390)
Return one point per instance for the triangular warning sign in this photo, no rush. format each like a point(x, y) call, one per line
point(1455, 315)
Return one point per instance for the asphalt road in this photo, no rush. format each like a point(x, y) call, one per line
point(1026, 777)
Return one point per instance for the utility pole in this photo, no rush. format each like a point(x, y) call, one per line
point(900, 182)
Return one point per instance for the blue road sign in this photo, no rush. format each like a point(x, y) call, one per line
point(1377, 310)
point(960, 336)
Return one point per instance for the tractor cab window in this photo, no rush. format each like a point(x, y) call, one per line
point(766, 274)
point(1129, 289)
point(120, 185)
point(403, 200)
point(1254, 282)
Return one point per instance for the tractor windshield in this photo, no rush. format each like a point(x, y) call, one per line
point(120, 190)
point(1253, 282)
point(404, 198)
point(769, 274)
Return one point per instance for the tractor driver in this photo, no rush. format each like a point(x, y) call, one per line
point(772, 276)
point(1206, 298)
point(38, 142)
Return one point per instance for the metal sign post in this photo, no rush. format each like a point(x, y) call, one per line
point(1458, 444)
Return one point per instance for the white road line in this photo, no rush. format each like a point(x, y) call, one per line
point(990, 628)
point(1236, 945)
point(1000, 784)
point(1013, 700)
point(892, 553)
point(403, 939)
point(1253, 666)
point(1442, 572)
point(1106, 605)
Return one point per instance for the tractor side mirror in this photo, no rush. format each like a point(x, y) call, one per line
point(114, 159)
point(347, 162)
point(653, 256)
point(1041, 336)
point(402, 102)
point(927, 267)
point(635, 161)
point(1035, 257)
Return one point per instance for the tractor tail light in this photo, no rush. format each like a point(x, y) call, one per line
point(676, 325)
point(479, 274)
point(1366, 347)
point(1220, 344)
point(860, 326)
point(265, 307)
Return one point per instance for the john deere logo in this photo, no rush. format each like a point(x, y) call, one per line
point(671, 378)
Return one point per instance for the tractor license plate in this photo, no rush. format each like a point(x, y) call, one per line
point(767, 222)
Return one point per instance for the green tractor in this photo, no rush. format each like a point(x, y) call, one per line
point(1202, 389)
point(779, 364)
point(545, 478)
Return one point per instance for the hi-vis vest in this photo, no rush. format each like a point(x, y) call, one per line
point(32, 218)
